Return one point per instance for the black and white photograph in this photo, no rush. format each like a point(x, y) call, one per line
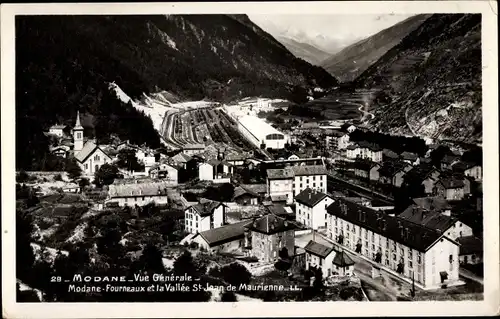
point(247, 156)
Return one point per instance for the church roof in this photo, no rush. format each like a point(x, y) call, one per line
point(88, 149)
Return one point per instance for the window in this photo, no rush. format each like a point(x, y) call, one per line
point(301, 180)
point(373, 247)
point(321, 184)
point(314, 178)
point(79, 135)
point(394, 256)
point(410, 264)
point(366, 234)
point(86, 166)
point(320, 261)
point(419, 258)
point(451, 259)
point(347, 227)
point(314, 184)
point(373, 236)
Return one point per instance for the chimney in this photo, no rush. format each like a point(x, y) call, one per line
point(285, 223)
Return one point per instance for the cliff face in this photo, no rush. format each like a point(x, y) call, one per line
point(64, 63)
point(430, 83)
point(353, 60)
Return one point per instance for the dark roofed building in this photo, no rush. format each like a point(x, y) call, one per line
point(343, 260)
point(226, 238)
point(309, 197)
point(308, 170)
point(318, 249)
point(204, 215)
point(244, 196)
point(450, 187)
point(271, 234)
point(397, 229)
point(280, 173)
point(391, 241)
point(471, 250)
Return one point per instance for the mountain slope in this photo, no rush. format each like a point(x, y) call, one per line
point(351, 61)
point(64, 63)
point(430, 83)
point(304, 51)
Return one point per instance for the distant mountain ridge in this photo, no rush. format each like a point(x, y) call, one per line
point(430, 83)
point(63, 64)
point(304, 51)
point(353, 60)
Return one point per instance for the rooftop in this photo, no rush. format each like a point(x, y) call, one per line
point(206, 207)
point(271, 224)
point(318, 249)
point(305, 170)
point(181, 158)
point(88, 149)
point(224, 234)
point(257, 126)
point(451, 182)
point(193, 146)
point(432, 219)
point(137, 189)
point(342, 259)
point(409, 156)
point(240, 191)
point(280, 173)
point(310, 197)
point(470, 245)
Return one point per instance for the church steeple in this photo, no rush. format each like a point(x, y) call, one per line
point(77, 135)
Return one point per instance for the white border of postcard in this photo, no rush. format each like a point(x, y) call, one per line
point(490, 304)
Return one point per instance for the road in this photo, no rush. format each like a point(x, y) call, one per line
point(471, 276)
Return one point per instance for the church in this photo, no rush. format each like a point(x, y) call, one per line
point(89, 155)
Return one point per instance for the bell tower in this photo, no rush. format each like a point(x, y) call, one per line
point(77, 135)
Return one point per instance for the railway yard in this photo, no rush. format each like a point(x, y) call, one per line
point(202, 125)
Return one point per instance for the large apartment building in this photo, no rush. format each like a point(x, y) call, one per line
point(429, 257)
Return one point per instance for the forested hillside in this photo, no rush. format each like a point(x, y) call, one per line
point(64, 64)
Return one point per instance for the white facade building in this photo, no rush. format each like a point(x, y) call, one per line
point(311, 208)
point(309, 176)
point(139, 194)
point(406, 248)
point(204, 216)
point(261, 133)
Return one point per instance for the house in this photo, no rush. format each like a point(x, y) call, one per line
point(259, 189)
point(366, 169)
point(61, 151)
point(426, 174)
point(204, 215)
point(471, 250)
point(351, 128)
point(435, 213)
point(365, 150)
point(138, 194)
point(235, 158)
point(57, 130)
point(164, 171)
point(281, 211)
point(280, 184)
point(227, 238)
point(451, 188)
point(244, 196)
point(410, 250)
point(343, 265)
point(269, 235)
point(410, 158)
point(343, 141)
point(332, 139)
point(215, 170)
point(293, 157)
point(193, 149)
point(475, 171)
point(319, 256)
point(311, 208)
point(388, 154)
point(393, 173)
point(448, 160)
point(309, 176)
point(182, 159)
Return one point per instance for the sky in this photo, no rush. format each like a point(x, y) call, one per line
point(328, 32)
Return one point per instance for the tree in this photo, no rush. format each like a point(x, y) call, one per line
point(106, 175)
point(151, 259)
point(127, 159)
point(84, 182)
point(236, 274)
point(318, 279)
point(73, 169)
point(228, 296)
point(25, 256)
